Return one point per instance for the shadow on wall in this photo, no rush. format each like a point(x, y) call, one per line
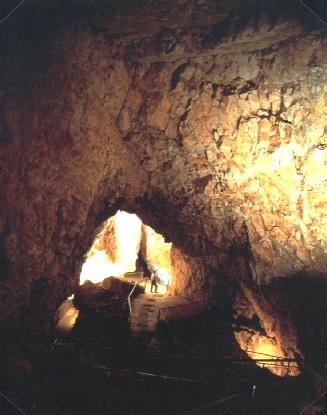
point(250, 13)
point(303, 300)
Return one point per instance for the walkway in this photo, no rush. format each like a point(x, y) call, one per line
point(145, 310)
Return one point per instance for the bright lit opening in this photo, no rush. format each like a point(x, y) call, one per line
point(117, 248)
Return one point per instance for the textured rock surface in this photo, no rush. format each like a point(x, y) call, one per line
point(124, 244)
point(216, 141)
point(123, 238)
point(115, 248)
point(156, 251)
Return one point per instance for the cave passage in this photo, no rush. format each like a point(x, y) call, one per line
point(182, 137)
point(126, 251)
point(125, 245)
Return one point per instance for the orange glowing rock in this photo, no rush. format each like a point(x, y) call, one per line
point(116, 248)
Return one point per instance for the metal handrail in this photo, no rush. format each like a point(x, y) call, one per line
point(136, 372)
point(129, 300)
point(139, 280)
point(189, 353)
point(12, 403)
point(161, 309)
point(265, 362)
point(264, 354)
point(212, 404)
point(282, 359)
point(276, 361)
point(313, 402)
point(182, 305)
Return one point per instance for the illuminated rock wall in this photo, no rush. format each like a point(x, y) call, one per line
point(251, 148)
point(117, 245)
point(114, 250)
point(215, 138)
point(157, 254)
point(202, 278)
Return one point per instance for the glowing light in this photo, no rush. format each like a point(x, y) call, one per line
point(126, 244)
point(67, 315)
point(121, 236)
point(158, 254)
point(98, 267)
point(263, 347)
point(267, 353)
point(128, 234)
point(163, 275)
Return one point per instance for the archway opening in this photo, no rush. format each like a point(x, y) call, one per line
point(124, 254)
point(125, 247)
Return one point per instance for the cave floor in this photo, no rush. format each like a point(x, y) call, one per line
point(101, 368)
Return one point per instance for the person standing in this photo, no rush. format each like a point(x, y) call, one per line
point(154, 283)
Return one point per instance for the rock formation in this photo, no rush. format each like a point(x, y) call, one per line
point(212, 132)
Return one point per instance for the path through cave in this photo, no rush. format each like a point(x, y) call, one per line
point(205, 119)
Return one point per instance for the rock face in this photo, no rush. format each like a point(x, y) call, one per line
point(157, 253)
point(115, 248)
point(215, 137)
point(125, 244)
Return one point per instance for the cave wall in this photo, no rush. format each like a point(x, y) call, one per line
point(215, 138)
point(250, 155)
point(203, 278)
point(156, 252)
point(114, 250)
point(55, 161)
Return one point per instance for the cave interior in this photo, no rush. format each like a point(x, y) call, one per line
point(186, 138)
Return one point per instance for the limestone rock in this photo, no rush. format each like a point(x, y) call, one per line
point(216, 140)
